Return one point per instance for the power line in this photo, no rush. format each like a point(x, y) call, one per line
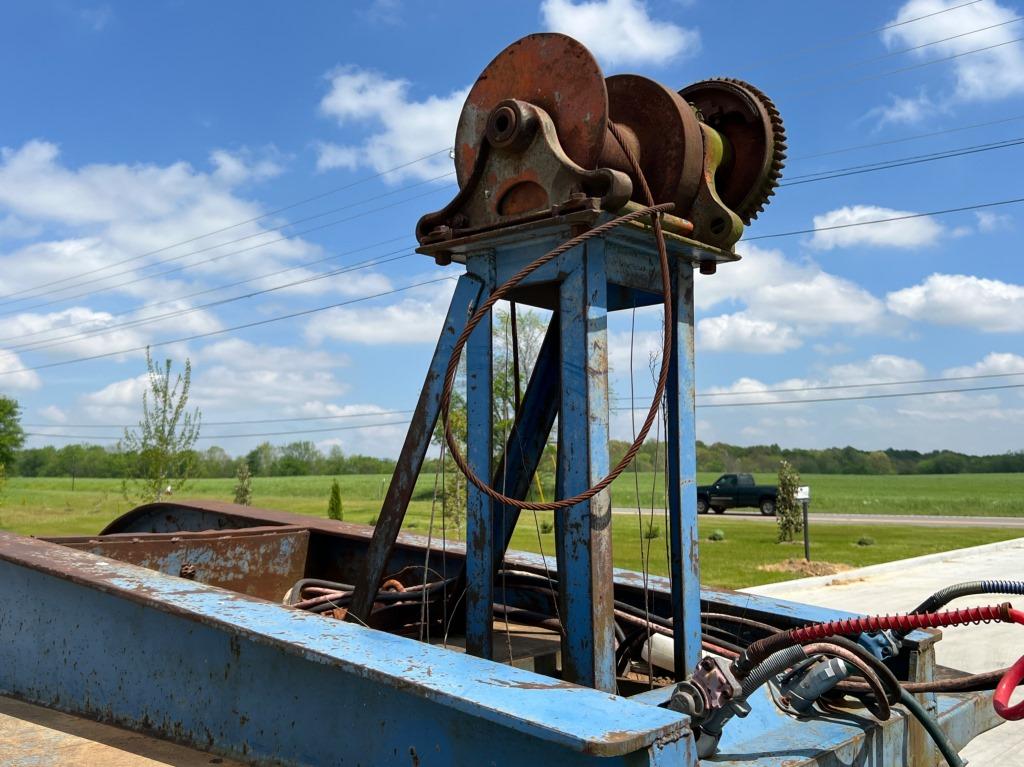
point(865, 385)
point(855, 36)
point(220, 245)
point(979, 206)
point(890, 54)
point(243, 223)
point(904, 139)
point(373, 414)
point(901, 162)
point(617, 409)
point(64, 340)
point(888, 395)
point(234, 436)
point(222, 331)
point(910, 68)
point(265, 275)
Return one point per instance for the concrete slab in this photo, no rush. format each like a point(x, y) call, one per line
point(901, 586)
point(32, 736)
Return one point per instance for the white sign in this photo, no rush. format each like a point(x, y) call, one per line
point(803, 493)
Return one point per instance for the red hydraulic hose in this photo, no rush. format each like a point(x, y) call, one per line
point(1013, 677)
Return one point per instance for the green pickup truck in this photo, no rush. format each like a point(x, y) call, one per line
point(736, 491)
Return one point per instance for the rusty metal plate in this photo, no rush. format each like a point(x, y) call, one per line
point(551, 71)
point(259, 562)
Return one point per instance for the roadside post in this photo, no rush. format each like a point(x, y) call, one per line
point(803, 494)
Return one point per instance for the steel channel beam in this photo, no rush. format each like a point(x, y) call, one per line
point(480, 532)
point(417, 440)
point(681, 440)
point(256, 681)
point(583, 531)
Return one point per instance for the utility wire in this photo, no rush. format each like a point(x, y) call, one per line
point(221, 423)
point(939, 155)
point(865, 385)
point(909, 68)
point(173, 299)
point(274, 212)
point(904, 139)
point(979, 206)
point(213, 259)
point(222, 331)
point(64, 340)
point(715, 405)
point(378, 413)
point(890, 54)
point(829, 43)
point(901, 163)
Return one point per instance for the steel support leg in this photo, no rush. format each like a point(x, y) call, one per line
point(480, 532)
point(584, 530)
point(682, 472)
point(410, 461)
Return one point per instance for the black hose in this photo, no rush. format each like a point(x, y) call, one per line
point(770, 666)
point(943, 597)
point(932, 728)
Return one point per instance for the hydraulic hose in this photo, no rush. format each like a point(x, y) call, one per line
point(932, 728)
point(943, 597)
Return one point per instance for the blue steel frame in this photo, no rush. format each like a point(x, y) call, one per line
point(617, 272)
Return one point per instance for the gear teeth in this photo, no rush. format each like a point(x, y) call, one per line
point(769, 180)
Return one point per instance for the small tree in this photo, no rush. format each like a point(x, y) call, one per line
point(12, 437)
point(334, 507)
point(243, 485)
point(787, 510)
point(160, 450)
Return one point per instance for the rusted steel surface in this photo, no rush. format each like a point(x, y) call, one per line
point(261, 562)
point(199, 664)
point(552, 71)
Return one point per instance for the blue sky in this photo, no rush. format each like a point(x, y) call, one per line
point(128, 128)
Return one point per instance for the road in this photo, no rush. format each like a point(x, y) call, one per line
point(914, 520)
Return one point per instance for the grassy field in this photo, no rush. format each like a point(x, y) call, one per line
point(50, 507)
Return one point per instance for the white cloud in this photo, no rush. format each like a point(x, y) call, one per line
point(414, 319)
point(239, 167)
point(984, 76)
point(24, 379)
point(54, 414)
point(963, 300)
point(741, 333)
point(783, 295)
point(991, 222)
point(909, 233)
point(904, 110)
point(98, 215)
point(405, 129)
point(994, 363)
point(621, 31)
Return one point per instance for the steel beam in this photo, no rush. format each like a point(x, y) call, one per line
point(583, 531)
point(414, 450)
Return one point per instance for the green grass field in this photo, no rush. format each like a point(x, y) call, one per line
point(50, 507)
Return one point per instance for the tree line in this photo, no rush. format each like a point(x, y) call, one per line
point(305, 458)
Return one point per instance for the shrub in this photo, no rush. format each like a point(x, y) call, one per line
point(546, 527)
point(787, 509)
point(865, 540)
point(652, 531)
point(334, 508)
point(717, 535)
point(243, 485)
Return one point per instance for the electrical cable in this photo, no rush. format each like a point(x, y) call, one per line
point(906, 217)
point(904, 163)
point(222, 331)
point(830, 42)
point(202, 262)
point(235, 225)
point(215, 288)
